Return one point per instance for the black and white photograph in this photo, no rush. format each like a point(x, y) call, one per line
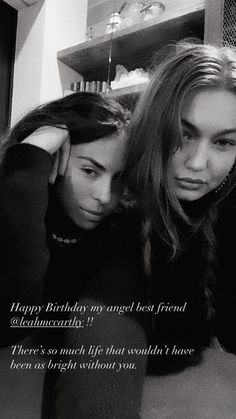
point(117, 209)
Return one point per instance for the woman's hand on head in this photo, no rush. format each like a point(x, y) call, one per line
point(55, 141)
point(48, 138)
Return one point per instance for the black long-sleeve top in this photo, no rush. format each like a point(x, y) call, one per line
point(104, 267)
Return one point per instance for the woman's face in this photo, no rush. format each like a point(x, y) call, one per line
point(91, 187)
point(208, 147)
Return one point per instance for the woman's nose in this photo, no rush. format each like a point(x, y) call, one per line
point(102, 192)
point(197, 156)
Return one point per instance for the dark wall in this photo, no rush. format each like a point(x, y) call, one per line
point(8, 22)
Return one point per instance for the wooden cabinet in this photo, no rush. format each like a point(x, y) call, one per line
point(136, 45)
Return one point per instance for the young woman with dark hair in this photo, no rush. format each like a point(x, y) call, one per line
point(181, 162)
point(62, 166)
point(65, 241)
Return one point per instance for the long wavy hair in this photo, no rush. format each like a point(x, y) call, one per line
point(87, 116)
point(155, 134)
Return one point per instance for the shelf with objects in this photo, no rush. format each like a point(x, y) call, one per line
point(135, 46)
point(127, 95)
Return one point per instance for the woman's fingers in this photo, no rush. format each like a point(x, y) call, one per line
point(60, 162)
point(64, 158)
point(54, 171)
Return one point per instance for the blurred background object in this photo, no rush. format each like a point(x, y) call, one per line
point(132, 12)
point(114, 22)
point(153, 9)
point(125, 78)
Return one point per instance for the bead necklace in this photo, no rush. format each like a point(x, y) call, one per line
point(66, 241)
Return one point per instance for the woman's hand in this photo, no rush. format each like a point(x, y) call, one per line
point(55, 141)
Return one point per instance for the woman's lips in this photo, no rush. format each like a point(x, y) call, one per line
point(189, 183)
point(93, 215)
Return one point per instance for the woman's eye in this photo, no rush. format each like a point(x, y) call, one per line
point(186, 135)
point(224, 144)
point(89, 172)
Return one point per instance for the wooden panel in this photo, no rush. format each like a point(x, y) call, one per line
point(8, 19)
point(134, 45)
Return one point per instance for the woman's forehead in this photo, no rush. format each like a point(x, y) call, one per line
point(108, 152)
point(210, 107)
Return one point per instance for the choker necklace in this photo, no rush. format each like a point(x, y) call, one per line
point(66, 241)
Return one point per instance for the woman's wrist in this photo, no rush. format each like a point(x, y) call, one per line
point(47, 138)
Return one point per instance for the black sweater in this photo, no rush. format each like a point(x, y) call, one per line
point(104, 267)
point(114, 246)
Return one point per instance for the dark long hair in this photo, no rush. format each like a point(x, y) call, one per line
point(155, 134)
point(87, 116)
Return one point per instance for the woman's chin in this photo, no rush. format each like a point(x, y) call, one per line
point(188, 195)
point(86, 224)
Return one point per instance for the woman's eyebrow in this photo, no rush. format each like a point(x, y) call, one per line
point(227, 131)
point(194, 129)
point(98, 165)
point(189, 126)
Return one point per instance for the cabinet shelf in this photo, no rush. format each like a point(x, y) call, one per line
point(133, 46)
point(127, 90)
